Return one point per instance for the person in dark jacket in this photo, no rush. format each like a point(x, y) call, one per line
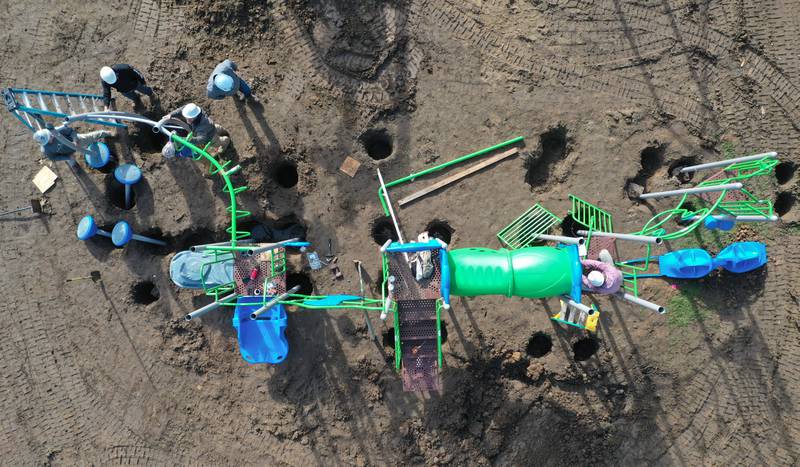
point(224, 82)
point(125, 79)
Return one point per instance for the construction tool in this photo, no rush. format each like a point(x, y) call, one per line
point(361, 289)
point(93, 275)
point(35, 207)
point(333, 264)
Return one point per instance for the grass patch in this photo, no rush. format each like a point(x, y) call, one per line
point(686, 307)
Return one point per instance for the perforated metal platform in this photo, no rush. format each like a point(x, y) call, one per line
point(244, 265)
point(418, 342)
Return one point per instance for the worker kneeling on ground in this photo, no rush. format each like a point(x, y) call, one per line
point(601, 276)
point(203, 131)
point(56, 150)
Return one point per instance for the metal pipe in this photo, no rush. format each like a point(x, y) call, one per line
point(641, 302)
point(271, 246)
point(695, 190)
point(210, 307)
point(273, 302)
point(197, 248)
point(725, 163)
point(772, 218)
point(563, 239)
point(619, 236)
point(580, 306)
point(391, 212)
point(16, 210)
point(386, 245)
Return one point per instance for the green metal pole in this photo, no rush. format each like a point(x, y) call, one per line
point(413, 176)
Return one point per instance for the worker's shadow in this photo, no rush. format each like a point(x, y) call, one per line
point(255, 116)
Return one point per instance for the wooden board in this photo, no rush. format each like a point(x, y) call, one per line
point(458, 176)
point(350, 166)
point(45, 179)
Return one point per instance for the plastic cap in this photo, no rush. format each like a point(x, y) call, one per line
point(42, 136)
point(108, 75)
point(596, 278)
point(190, 110)
point(223, 82)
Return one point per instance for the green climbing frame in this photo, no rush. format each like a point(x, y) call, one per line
point(524, 230)
point(220, 253)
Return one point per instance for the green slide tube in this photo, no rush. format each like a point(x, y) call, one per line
point(535, 272)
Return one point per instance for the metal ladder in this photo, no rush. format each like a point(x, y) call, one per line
point(30, 106)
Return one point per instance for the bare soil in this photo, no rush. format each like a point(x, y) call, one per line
point(607, 93)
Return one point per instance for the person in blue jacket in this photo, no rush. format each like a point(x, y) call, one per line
point(224, 82)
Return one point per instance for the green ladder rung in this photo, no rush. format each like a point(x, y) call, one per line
point(238, 212)
point(239, 234)
point(213, 169)
point(236, 191)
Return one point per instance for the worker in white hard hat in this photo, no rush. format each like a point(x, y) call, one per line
point(56, 150)
point(203, 131)
point(125, 79)
point(224, 82)
point(600, 277)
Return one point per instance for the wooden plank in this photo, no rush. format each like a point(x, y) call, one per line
point(458, 176)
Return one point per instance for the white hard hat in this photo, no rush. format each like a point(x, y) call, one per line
point(224, 82)
point(190, 110)
point(42, 136)
point(108, 75)
point(596, 278)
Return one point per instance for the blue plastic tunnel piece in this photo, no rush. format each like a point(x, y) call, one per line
point(261, 340)
point(686, 264)
point(712, 223)
point(742, 257)
point(186, 270)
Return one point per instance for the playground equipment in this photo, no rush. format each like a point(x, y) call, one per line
point(251, 277)
point(122, 234)
point(87, 228)
point(35, 208)
point(128, 175)
point(98, 155)
point(695, 263)
point(35, 107)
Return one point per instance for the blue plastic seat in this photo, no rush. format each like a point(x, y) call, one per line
point(742, 257)
point(261, 340)
point(686, 264)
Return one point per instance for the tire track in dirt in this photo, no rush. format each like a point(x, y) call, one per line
point(385, 92)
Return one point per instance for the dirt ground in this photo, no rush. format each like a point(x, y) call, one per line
point(605, 92)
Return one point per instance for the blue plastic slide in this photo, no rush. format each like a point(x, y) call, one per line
point(186, 266)
point(261, 340)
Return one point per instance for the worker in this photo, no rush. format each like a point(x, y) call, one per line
point(55, 150)
point(224, 82)
point(600, 277)
point(203, 131)
point(125, 79)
